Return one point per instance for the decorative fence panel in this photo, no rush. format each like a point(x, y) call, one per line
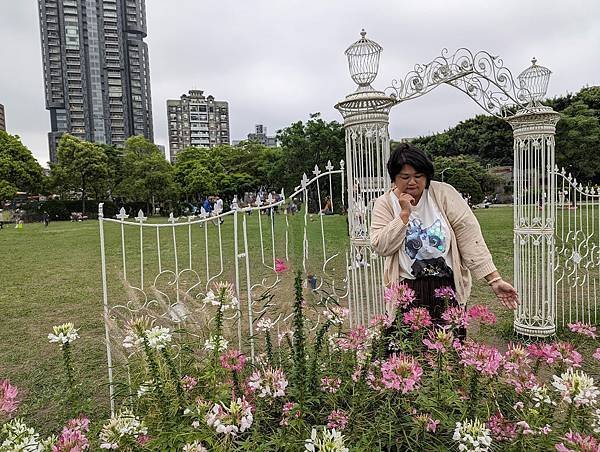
point(577, 247)
point(165, 270)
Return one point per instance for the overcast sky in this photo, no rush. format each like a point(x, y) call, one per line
point(277, 61)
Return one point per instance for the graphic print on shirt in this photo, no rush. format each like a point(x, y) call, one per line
point(427, 246)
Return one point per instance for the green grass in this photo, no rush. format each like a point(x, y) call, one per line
point(52, 275)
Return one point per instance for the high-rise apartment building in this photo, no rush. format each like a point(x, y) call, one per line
point(96, 70)
point(196, 120)
point(2, 118)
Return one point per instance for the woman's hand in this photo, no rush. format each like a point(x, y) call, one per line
point(506, 293)
point(406, 203)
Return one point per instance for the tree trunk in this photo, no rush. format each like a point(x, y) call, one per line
point(82, 196)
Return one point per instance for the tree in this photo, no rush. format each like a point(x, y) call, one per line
point(466, 184)
point(466, 174)
point(147, 176)
point(486, 137)
point(19, 170)
point(577, 139)
point(304, 145)
point(82, 167)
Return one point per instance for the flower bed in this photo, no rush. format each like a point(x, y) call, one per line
point(395, 384)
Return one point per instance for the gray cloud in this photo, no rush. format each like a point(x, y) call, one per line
point(277, 61)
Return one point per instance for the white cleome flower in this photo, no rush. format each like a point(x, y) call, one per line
point(158, 337)
point(196, 446)
point(328, 441)
point(576, 387)
point(472, 436)
point(539, 395)
point(63, 334)
point(211, 298)
point(19, 437)
point(121, 428)
point(596, 420)
point(218, 342)
point(265, 324)
point(336, 314)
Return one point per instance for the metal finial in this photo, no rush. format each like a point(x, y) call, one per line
point(363, 33)
point(534, 60)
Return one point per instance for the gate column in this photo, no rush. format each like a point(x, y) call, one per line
point(534, 207)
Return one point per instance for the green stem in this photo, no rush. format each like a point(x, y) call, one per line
point(269, 348)
point(155, 372)
point(67, 363)
point(299, 345)
point(174, 375)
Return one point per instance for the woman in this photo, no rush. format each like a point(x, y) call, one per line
point(430, 237)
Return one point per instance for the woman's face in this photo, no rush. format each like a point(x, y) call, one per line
point(408, 180)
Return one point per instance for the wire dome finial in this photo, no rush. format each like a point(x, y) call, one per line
point(363, 60)
point(535, 80)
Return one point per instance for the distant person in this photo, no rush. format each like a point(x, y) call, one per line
point(46, 218)
point(219, 208)
point(328, 208)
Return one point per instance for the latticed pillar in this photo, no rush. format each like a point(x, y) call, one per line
point(366, 119)
point(534, 208)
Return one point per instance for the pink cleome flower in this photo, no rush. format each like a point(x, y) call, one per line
point(583, 443)
point(280, 266)
point(72, 437)
point(583, 328)
point(480, 357)
point(445, 293)
point(426, 422)
point(417, 318)
point(355, 340)
point(401, 372)
point(596, 354)
point(482, 313)
point(330, 384)
point(188, 382)
point(439, 339)
point(501, 429)
point(516, 366)
point(456, 316)
point(399, 295)
point(233, 360)
point(8, 397)
point(290, 410)
point(337, 419)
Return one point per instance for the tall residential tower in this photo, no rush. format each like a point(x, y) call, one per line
point(196, 120)
point(96, 70)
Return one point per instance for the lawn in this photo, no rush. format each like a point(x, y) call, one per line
point(52, 275)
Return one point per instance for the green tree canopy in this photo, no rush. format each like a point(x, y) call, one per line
point(304, 145)
point(82, 167)
point(147, 176)
point(19, 170)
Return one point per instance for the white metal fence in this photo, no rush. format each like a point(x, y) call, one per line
point(577, 247)
point(164, 270)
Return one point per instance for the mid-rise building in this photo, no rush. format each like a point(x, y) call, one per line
point(197, 120)
point(2, 118)
point(260, 136)
point(96, 70)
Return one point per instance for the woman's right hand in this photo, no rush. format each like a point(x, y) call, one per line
point(406, 204)
point(406, 200)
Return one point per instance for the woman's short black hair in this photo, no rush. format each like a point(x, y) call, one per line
point(409, 154)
